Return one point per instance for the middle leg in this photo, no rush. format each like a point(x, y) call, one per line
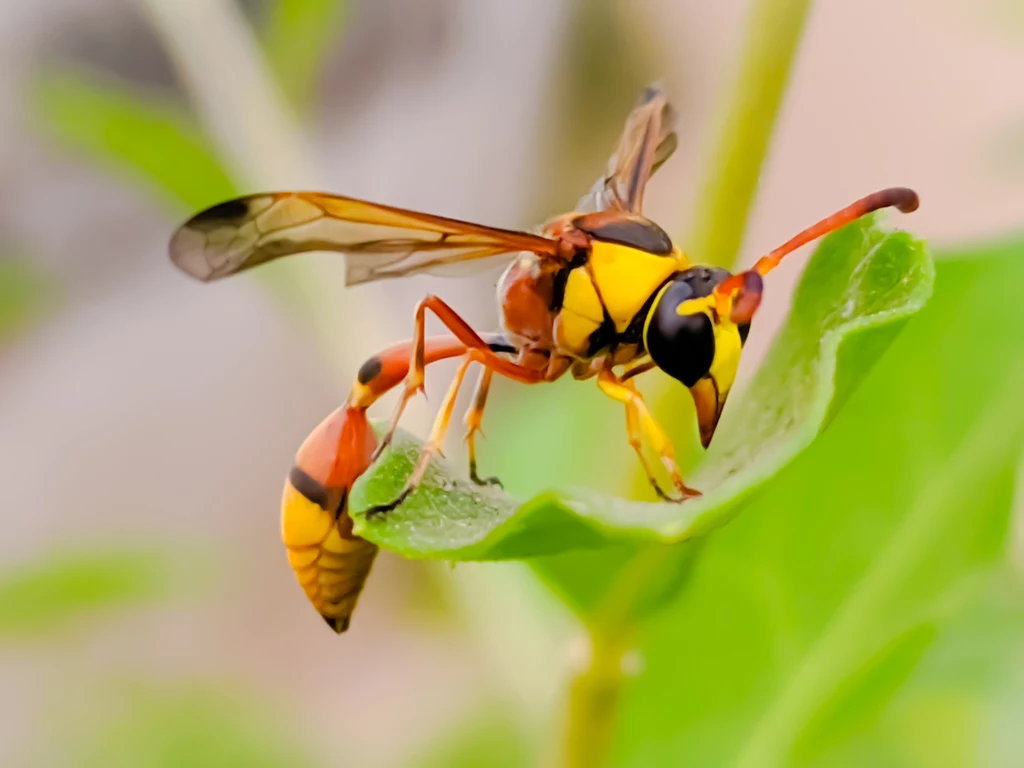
point(434, 443)
point(634, 432)
point(474, 416)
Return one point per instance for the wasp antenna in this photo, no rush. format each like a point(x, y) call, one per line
point(903, 199)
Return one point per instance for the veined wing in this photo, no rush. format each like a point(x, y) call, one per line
point(380, 241)
point(647, 141)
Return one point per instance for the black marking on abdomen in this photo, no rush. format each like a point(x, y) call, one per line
point(230, 210)
point(369, 370)
point(309, 488)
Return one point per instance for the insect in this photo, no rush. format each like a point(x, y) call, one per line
point(599, 293)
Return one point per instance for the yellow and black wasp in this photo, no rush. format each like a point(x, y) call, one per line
point(601, 292)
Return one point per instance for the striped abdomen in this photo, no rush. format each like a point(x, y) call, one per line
point(329, 561)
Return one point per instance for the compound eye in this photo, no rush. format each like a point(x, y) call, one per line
point(682, 345)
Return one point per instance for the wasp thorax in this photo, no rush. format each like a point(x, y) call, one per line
point(680, 332)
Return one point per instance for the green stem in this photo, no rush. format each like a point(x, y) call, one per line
point(592, 704)
point(774, 28)
point(235, 96)
point(233, 91)
point(840, 646)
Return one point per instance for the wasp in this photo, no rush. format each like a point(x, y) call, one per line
point(598, 293)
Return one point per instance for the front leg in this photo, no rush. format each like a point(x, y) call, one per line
point(639, 418)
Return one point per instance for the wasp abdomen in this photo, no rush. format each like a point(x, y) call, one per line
point(330, 562)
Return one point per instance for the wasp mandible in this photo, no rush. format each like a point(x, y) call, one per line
point(601, 292)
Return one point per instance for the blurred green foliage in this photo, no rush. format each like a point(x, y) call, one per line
point(148, 136)
point(174, 725)
point(296, 39)
point(153, 141)
point(155, 138)
point(65, 588)
point(490, 738)
point(25, 294)
point(610, 58)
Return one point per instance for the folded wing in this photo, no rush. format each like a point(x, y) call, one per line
point(647, 141)
point(380, 241)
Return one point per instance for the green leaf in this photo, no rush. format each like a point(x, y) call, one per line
point(857, 701)
point(296, 40)
point(859, 288)
point(796, 625)
point(143, 134)
point(64, 588)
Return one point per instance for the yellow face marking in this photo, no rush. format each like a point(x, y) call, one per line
point(728, 348)
point(728, 345)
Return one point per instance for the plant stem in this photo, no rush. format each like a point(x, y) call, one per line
point(233, 91)
point(774, 28)
point(841, 645)
point(221, 65)
point(593, 704)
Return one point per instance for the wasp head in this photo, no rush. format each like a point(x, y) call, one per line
point(695, 332)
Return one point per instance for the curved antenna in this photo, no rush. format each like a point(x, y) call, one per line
point(902, 198)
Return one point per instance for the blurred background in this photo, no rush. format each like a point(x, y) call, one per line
point(147, 612)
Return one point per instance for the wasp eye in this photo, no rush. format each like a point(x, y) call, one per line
point(682, 345)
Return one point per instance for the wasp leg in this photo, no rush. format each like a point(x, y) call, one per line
point(434, 443)
point(486, 357)
point(464, 332)
point(384, 371)
point(636, 370)
point(612, 386)
point(474, 416)
point(634, 429)
point(634, 433)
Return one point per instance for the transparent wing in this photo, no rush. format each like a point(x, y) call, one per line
point(380, 241)
point(647, 141)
